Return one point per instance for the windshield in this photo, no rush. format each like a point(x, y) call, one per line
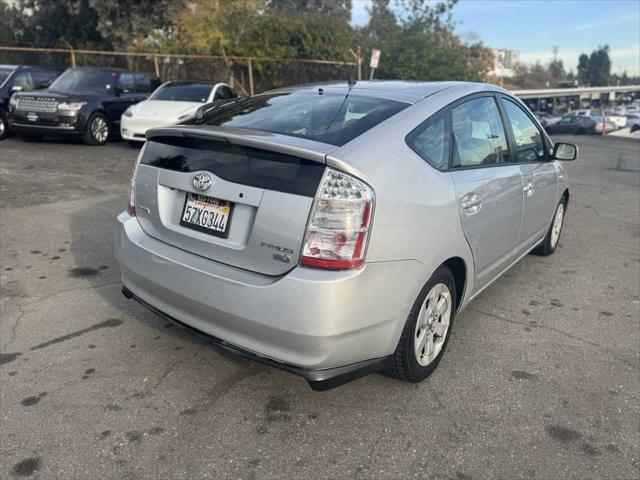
point(183, 92)
point(73, 80)
point(4, 74)
point(330, 118)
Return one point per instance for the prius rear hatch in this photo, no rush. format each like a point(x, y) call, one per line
point(237, 196)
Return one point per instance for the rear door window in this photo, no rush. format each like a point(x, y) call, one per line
point(478, 134)
point(431, 141)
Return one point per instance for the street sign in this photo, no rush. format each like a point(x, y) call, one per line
point(375, 58)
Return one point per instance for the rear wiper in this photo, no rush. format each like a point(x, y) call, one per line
point(205, 111)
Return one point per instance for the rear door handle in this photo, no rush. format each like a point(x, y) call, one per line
point(529, 189)
point(471, 203)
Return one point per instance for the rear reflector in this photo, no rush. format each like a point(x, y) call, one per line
point(336, 236)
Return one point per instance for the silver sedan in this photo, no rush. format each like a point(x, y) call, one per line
point(334, 230)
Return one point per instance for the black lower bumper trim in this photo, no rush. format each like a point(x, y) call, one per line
point(318, 380)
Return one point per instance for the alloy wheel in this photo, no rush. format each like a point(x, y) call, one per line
point(99, 129)
point(432, 325)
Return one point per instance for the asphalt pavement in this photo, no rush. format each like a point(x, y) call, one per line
point(541, 379)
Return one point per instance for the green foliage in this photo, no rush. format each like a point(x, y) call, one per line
point(336, 9)
point(54, 24)
point(126, 23)
point(600, 67)
point(583, 69)
point(595, 69)
point(421, 45)
point(556, 70)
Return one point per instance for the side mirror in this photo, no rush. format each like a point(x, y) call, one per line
point(565, 152)
point(16, 88)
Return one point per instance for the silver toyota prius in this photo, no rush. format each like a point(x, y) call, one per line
point(333, 230)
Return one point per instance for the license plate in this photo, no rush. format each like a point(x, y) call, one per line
point(206, 214)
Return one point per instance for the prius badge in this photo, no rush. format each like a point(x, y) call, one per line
point(202, 182)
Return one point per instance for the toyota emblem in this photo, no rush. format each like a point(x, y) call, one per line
point(202, 182)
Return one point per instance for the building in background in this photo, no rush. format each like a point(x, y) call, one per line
point(504, 63)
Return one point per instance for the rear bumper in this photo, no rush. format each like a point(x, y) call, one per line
point(325, 326)
point(319, 380)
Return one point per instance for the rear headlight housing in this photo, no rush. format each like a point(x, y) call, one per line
point(338, 229)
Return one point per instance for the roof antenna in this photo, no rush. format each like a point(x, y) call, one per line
point(351, 83)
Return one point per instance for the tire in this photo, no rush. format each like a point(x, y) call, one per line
point(551, 239)
point(581, 131)
point(405, 364)
point(4, 126)
point(97, 130)
point(635, 128)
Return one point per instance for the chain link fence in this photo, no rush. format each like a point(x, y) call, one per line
point(248, 75)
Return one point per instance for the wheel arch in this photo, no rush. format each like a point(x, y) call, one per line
point(458, 268)
point(565, 198)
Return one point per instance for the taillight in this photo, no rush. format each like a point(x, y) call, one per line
point(131, 205)
point(336, 236)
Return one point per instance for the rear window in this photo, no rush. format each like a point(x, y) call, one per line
point(180, 92)
point(324, 117)
point(235, 163)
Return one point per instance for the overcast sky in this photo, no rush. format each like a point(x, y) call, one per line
point(534, 27)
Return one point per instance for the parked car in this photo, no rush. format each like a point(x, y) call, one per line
point(580, 125)
point(20, 78)
point(84, 102)
point(633, 122)
point(542, 117)
point(337, 229)
point(620, 121)
point(171, 103)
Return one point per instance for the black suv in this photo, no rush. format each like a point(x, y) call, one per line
point(20, 78)
point(85, 102)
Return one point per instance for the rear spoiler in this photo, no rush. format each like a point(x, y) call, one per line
point(275, 142)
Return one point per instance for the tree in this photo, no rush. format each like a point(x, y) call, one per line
point(53, 24)
point(595, 69)
point(337, 9)
point(421, 45)
point(584, 69)
point(600, 67)
point(11, 24)
point(126, 23)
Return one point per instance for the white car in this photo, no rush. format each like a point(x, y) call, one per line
point(170, 103)
point(633, 122)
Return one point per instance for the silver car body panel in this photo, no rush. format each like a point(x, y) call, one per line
point(320, 319)
point(308, 318)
